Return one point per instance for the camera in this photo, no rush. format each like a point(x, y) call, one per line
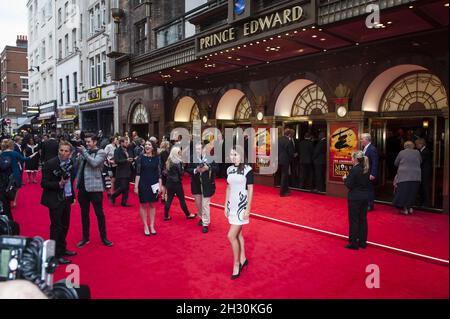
point(64, 170)
point(33, 259)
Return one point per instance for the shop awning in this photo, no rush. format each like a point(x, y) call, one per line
point(67, 119)
point(46, 116)
point(27, 122)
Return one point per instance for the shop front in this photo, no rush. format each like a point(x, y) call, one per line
point(47, 117)
point(97, 113)
point(67, 120)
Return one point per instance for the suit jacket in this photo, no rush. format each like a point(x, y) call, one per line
point(372, 154)
point(427, 164)
point(285, 150)
point(93, 167)
point(206, 180)
point(320, 153)
point(306, 150)
point(123, 166)
point(49, 150)
point(408, 162)
point(53, 195)
point(357, 183)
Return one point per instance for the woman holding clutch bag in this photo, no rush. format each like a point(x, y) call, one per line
point(147, 184)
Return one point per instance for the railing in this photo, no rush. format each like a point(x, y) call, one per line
point(179, 28)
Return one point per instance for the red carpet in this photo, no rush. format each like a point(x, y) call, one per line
point(181, 262)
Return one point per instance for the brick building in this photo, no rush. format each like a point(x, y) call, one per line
point(14, 85)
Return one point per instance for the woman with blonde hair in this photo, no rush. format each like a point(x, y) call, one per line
point(408, 178)
point(357, 182)
point(174, 168)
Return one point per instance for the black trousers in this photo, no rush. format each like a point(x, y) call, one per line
point(357, 216)
point(319, 176)
point(172, 190)
point(122, 187)
point(85, 199)
point(425, 192)
point(59, 226)
point(284, 182)
point(306, 176)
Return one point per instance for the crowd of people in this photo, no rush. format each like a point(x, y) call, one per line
point(88, 165)
point(85, 166)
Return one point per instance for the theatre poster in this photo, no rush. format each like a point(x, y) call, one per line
point(343, 142)
point(262, 146)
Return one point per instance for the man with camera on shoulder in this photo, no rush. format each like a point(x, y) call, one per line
point(90, 187)
point(58, 196)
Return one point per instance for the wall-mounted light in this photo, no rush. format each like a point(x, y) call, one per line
point(310, 122)
point(204, 119)
point(260, 116)
point(425, 124)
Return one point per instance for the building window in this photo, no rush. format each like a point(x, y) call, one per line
point(43, 17)
point(92, 66)
point(243, 110)
point(67, 89)
point(50, 45)
point(74, 4)
point(140, 115)
point(74, 39)
point(36, 53)
point(50, 87)
point(24, 83)
point(66, 11)
point(60, 49)
point(91, 21)
point(75, 87)
point(44, 89)
point(415, 92)
point(98, 17)
point(310, 101)
point(49, 9)
point(99, 69)
point(61, 93)
point(141, 37)
point(66, 45)
point(195, 113)
point(104, 60)
point(59, 16)
point(103, 6)
point(25, 104)
point(43, 51)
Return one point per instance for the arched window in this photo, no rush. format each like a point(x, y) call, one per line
point(243, 109)
point(416, 91)
point(310, 101)
point(140, 115)
point(195, 113)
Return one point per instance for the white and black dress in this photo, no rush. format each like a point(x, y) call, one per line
point(238, 196)
point(33, 164)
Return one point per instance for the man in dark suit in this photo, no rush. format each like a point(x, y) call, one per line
point(49, 148)
point(320, 162)
point(427, 173)
point(285, 155)
point(371, 152)
point(58, 196)
point(123, 172)
point(306, 150)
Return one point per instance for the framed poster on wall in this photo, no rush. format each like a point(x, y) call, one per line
point(343, 142)
point(262, 146)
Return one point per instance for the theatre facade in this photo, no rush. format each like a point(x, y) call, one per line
point(340, 67)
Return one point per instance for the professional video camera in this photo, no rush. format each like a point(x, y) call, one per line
point(33, 259)
point(64, 170)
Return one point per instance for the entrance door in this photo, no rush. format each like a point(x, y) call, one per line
point(297, 174)
point(389, 135)
point(141, 129)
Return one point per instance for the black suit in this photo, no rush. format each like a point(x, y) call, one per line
point(203, 184)
point(54, 197)
point(306, 150)
point(358, 197)
point(123, 174)
point(285, 156)
point(427, 177)
point(320, 164)
point(49, 149)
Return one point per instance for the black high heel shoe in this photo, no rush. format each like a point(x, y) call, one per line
point(245, 263)
point(233, 277)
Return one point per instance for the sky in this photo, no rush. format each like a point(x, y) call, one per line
point(13, 21)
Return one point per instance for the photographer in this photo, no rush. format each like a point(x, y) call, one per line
point(58, 196)
point(90, 187)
